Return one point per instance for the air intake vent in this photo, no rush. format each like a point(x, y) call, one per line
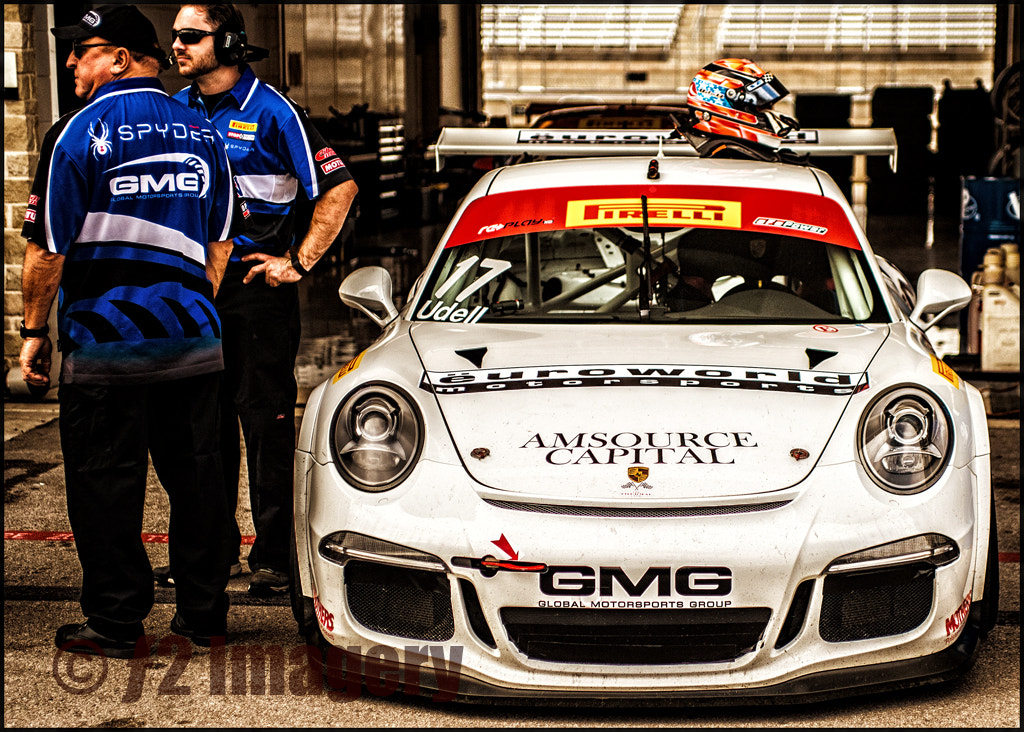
point(875, 604)
point(410, 603)
point(475, 613)
point(797, 613)
point(636, 637)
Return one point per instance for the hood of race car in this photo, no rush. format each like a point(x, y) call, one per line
point(661, 413)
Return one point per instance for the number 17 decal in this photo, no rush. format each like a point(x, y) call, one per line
point(494, 266)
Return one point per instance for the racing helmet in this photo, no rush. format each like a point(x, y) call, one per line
point(732, 97)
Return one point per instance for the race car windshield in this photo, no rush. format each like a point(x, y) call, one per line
point(698, 275)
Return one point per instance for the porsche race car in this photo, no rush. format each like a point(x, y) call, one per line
point(648, 425)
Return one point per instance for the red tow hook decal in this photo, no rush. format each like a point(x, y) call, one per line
point(512, 566)
point(489, 566)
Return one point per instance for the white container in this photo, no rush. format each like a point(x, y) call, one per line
point(1000, 329)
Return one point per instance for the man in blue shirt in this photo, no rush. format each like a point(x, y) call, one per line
point(275, 153)
point(129, 193)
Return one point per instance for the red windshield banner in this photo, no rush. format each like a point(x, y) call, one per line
point(714, 207)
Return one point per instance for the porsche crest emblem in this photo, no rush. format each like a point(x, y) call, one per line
point(638, 474)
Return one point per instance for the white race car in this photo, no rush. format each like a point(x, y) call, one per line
point(649, 425)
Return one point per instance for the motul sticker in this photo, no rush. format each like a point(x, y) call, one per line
point(331, 166)
point(955, 622)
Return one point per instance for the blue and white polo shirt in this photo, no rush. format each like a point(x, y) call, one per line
point(274, 150)
point(130, 189)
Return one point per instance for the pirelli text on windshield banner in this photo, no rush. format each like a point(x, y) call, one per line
point(660, 211)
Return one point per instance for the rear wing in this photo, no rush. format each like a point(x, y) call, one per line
point(502, 141)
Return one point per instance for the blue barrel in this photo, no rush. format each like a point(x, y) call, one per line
point(989, 217)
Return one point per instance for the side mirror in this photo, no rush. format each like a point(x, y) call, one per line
point(939, 293)
point(369, 289)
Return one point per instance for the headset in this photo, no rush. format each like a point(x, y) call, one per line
point(229, 46)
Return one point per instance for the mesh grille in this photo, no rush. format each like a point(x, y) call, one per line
point(411, 603)
point(875, 604)
point(631, 512)
point(637, 637)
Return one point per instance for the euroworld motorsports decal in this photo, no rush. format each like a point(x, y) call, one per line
point(641, 375)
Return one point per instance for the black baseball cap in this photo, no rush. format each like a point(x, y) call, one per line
point(124, 25)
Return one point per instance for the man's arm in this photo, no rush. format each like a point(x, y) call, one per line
point(217, 255)
point(329, 214)
point(40, 280)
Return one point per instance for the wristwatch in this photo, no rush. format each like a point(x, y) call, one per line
point(293, 255)
point(34, 332)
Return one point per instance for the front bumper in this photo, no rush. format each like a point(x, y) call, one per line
point(769, 555)
point(449, 682)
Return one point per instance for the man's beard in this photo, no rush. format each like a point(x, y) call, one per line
point(200, 65)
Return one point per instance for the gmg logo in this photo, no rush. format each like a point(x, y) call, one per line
point(195, 179)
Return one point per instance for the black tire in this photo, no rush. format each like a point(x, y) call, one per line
point(305, 618)
point(990, 602)
point(302, 606)
point(985, 611)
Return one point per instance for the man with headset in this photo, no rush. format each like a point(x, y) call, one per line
point(274, 151)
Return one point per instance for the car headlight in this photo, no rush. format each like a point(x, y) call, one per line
point(905, 440)
point(376, 437)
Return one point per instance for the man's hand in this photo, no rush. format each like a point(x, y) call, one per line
point(276, 270)
point(217, 255)
point(35, 361)
point(40, 280)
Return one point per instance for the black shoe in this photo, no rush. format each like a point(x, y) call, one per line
point(266, 582)
point(180, 627)
point(80, 638)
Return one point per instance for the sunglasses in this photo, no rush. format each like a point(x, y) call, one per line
point(190, 36)
point(79, 49)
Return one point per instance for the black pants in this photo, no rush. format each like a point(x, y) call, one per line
point(260, 329)
point(108, 434)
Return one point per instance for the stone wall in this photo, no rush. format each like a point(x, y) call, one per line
point(21, 154)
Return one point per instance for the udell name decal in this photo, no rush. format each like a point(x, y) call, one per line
point(636, 375)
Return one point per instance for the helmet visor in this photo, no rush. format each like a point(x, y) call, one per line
point(762, 93)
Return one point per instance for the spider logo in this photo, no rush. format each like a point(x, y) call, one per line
point(100, 144)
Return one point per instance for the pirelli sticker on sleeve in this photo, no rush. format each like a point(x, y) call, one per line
point(945, 372)
point(245, 131)
point(673, 211)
